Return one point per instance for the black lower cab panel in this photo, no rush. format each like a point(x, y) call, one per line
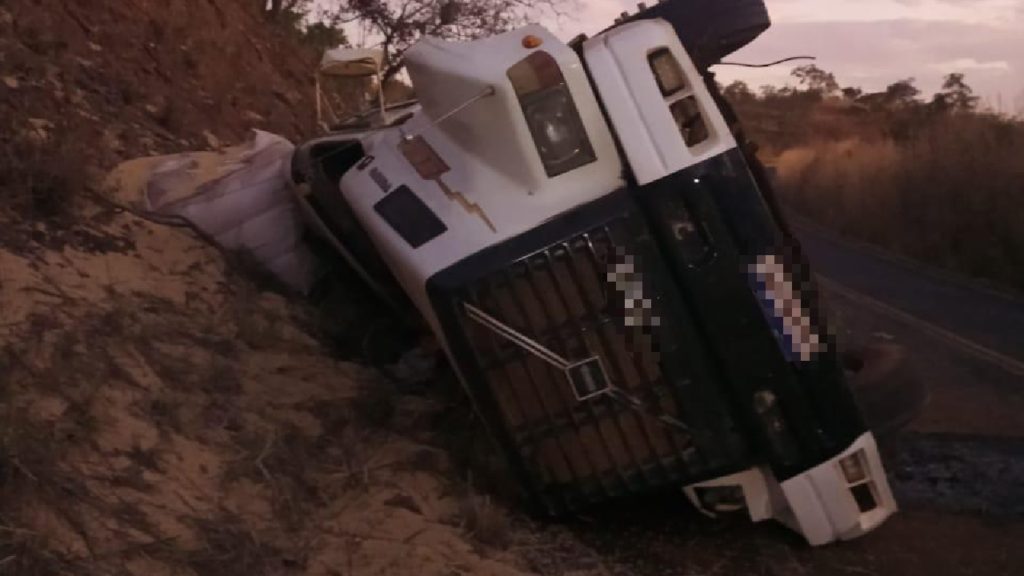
point(658, 336)
point(619, 399)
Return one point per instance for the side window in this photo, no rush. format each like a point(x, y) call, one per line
point(679, 96)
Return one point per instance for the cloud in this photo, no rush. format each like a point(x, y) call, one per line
point(875, 54)
point(971, 64)
point(1000, 13)
point(593, 15)
point(872, 43)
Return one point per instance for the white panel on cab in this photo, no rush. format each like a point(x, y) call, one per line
point(496, 186)
point(662, 129)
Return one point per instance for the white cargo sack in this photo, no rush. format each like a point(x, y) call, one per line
point(238, 196)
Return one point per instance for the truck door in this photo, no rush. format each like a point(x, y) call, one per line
point(666, 121)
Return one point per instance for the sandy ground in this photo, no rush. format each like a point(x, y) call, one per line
point(164, 415)
point(161, 412)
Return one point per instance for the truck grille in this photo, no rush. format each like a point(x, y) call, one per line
point(577, 451)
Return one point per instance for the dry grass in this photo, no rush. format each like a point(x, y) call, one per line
point(41, 173)
point(36, 480)
point(140, 435)
point(949, 192)
point(485, 522)
point(231, 548)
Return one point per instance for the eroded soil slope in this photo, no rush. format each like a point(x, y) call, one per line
point(145, 76)
point(161, 412)
point(161, 415)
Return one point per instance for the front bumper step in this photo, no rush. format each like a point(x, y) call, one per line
point(841, 499)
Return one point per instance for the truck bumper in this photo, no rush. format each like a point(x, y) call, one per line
point(840, 499)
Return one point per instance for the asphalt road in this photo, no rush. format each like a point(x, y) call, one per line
point(957, 470)
point(980, 319)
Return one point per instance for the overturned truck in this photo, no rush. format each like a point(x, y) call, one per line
point(584, 231)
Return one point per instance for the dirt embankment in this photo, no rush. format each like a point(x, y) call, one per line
point(144, 76)
point(160, 411)
point(163, 415)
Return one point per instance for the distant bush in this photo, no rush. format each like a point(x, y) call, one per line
point(936, 180)
point(952, 194)
point(41, 172)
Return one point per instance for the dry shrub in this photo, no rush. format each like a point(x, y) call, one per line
point(485, 522)
point(376, 404)
point(231, 548)
point(41, 171)
point(33, 478)
point(787, 122)
point(951, 193)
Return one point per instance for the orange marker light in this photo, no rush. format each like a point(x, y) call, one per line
point(532, 42)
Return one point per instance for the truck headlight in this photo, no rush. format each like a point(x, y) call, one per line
point(862, 487)
point(853, 468)
point(551, 114)
point(667, 72)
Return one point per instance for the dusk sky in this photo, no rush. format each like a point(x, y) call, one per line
point(872, 43)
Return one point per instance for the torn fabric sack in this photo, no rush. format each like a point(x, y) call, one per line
point(238, 197)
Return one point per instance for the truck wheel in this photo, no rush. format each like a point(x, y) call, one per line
point(888, 392)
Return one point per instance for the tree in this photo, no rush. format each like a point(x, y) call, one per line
point(769, 92)
point(308, 20)
point(901, 93)
point(956, 95)
point(281, 9)
point(738, 91)
point(397, 24)
point(323, 35)
point(852, 93)
point(816, 80)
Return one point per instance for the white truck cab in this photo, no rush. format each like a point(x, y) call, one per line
point(580, 230)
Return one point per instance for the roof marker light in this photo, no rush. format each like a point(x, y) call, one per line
point(532, 42)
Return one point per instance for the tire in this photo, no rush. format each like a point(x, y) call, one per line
point(712, 29)
point(888, 392)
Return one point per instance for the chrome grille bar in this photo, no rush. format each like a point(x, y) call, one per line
point(530, 320)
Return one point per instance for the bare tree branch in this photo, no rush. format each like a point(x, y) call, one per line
point(397, 24)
